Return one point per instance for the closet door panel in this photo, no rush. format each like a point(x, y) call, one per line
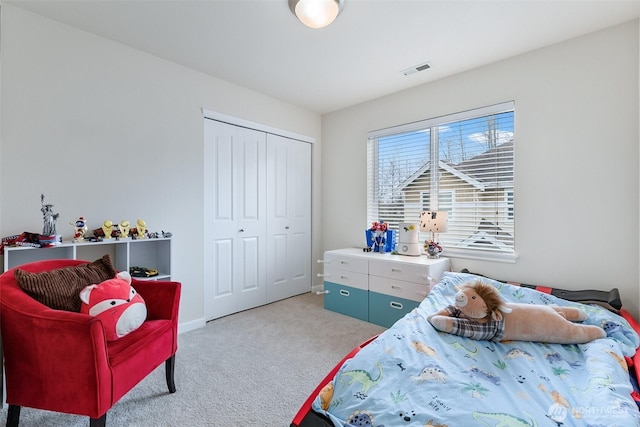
point(223, 179)
point(252, 154)
point(289, 190)
point(220, 212)
point(251, 280)
point(278, 262)
point(278, 194)
point(224, 268)
point(235, 219)
point(300, 218)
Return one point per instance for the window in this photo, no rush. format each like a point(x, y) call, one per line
point(467, 160)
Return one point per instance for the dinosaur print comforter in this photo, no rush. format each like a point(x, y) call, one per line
point(414, 375)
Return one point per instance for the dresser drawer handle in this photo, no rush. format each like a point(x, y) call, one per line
point(344, 262)
point(396, 270)
point(344, 293)
point(396, 287)
point(344, 277)
point(396, 305)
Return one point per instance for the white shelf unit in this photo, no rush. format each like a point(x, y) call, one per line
point(125, 253)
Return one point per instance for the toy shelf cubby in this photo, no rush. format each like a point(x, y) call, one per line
point(125, 253)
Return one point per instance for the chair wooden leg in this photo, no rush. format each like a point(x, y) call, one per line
point(169, 368)
point(98, 422)
point(13, 416)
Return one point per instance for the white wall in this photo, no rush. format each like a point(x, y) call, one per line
point(106, 131)
point(109, 132)
point(576, 155)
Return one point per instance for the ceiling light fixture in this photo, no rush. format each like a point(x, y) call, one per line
point(316, 13)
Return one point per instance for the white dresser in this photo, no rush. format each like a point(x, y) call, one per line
point(378, 288)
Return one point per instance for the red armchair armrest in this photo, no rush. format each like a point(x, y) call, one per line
point(162, 298)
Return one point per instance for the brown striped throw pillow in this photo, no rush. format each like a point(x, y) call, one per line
point(60, 288)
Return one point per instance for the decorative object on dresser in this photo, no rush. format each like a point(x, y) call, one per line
point(380, 238)
point(377, 288)
point(408, 239)
point(433, 222)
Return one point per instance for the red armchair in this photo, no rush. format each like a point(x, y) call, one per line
point(60, 361)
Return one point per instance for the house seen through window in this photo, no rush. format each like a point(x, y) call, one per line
point(463, 164)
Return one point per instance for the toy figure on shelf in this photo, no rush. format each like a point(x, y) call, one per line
point(125, 227)
point(80, 229)
point(107, 228)
point(49, 228)
point(141, 228)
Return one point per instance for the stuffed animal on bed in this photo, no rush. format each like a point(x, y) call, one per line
point(120, 308)
point(480, 313)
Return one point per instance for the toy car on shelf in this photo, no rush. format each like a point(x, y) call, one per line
point(142, 272)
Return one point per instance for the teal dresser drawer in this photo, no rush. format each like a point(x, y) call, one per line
point(385, 310)
point(347, 300)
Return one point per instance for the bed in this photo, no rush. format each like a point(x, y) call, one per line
point(413, 375)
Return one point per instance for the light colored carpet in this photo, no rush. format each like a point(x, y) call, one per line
point(253, 368)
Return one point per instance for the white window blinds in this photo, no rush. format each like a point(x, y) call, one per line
point(462, 163)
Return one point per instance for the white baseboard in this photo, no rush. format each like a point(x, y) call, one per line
point(191, 326)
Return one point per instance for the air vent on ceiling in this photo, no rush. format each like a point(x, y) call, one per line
point(416, 68)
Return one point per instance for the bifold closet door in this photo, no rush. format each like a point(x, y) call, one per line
point(288, 217)
point(235, 219)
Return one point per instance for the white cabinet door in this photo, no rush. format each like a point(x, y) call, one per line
point(288, 217)
point(235, 221)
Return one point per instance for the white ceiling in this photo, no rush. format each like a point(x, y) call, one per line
point(260, 45)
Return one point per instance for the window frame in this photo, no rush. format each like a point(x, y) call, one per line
point(508, 195)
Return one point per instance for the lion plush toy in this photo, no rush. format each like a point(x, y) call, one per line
point(120, 308)
point(480, 313)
